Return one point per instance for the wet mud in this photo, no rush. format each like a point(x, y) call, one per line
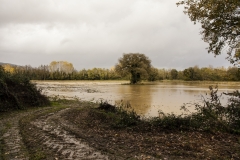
point(60, 141)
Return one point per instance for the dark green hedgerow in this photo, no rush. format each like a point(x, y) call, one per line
point(17, 92)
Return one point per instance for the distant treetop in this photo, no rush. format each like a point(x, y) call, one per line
point(135, 64)
point(61, 66)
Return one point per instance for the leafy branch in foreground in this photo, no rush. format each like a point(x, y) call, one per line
point(220, 22)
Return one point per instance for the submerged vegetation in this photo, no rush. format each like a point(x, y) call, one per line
point(17, 92)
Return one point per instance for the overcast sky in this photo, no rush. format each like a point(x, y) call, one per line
point(95, 33)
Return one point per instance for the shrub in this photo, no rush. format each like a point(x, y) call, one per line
point(17, 92)
point(119, 116)
point(209, 116)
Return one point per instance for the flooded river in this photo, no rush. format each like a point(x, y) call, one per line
point(146, 99)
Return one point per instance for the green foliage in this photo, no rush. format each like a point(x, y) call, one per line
point(174, 74)
point(220, 21)
point(153, 74)
point(169, 121)
point(192, 74)
point(233, 74)
point(16, 92)
point(163, 74)
point(233, 110)
point(212, 115)
point(135, 64)
point(119, 116)
point(47, 73)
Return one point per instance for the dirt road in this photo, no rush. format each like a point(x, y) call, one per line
point(44, 137)
point(12, 146)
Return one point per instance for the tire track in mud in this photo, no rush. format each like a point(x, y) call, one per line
point(12, 144)
point(60, 141)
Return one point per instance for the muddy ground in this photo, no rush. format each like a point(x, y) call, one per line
point(145, 142)
point(71, 131)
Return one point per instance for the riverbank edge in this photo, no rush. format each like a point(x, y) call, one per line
point(76, 107)
point(143, 81)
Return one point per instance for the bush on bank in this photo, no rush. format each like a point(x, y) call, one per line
point(17, 92)
point(210, 116)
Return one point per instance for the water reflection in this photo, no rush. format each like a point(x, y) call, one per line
point(138, 96)
point(145, 99)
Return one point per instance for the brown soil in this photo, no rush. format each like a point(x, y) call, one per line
point(72, 132)
point(12, 146)
point(45, 138)
point(142, 142)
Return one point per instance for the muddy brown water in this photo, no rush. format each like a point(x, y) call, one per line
point(145, 99)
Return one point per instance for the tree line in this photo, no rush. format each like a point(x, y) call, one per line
point(62, 72)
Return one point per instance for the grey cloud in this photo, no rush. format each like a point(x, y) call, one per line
point(95, 33)
point(61, 11)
